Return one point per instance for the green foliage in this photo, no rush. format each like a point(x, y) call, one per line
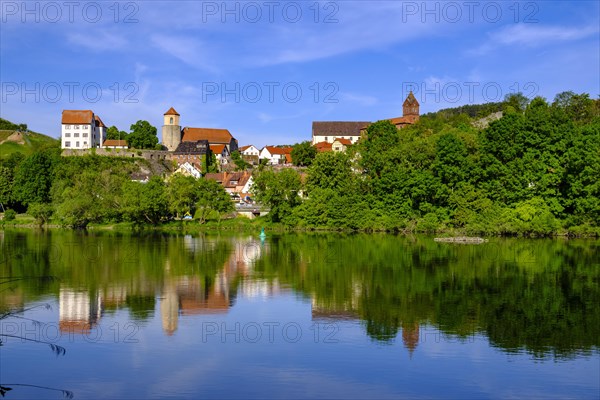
point(41, 212)
point(145, 202)
point(142, 136)
point(279, 191)
point(211, 198)
point(113, 133)
point(303, 154)
point(241, 165)
point(10, 215)
point(33, 178)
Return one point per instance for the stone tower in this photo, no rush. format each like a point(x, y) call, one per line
point(410, 107)
point(171, 131)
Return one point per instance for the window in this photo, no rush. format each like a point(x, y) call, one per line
point(84, 134)
point(75, 126)
point(76, 134)
point(326, 139)
point(171, 120)
point(84, 144)
point(67, 126)
point(67, 144)
point(76, 144)
point(67, 134)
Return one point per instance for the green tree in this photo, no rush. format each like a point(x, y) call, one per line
point(303, 154)
point(330, 170)
point(33, 179)
point(142, 136)
point(145, 202)
point(241, 165)
point(182, 194)
point(211, 198)
point(518, 101)
point(279, 191)
point(113, 133)
point(41, 212)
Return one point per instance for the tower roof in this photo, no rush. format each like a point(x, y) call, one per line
point(171, 111)
point(411, 99)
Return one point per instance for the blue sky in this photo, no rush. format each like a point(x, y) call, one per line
point(266, 69)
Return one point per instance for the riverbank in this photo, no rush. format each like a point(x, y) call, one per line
point(241, 224)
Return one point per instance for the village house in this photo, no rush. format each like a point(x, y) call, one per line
point(115, 144)
point(340, 144)
point(276, 155)
point(329, 131)
point(81, 129)
point(191, 152)
point(221, 152)
point(250, 154)
point(187, 169)
point(237, 184)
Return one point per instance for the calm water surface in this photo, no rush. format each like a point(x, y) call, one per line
point(297, 316)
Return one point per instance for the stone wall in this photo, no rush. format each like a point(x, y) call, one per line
point(132, 153)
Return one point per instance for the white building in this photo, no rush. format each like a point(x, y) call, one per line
point(81, 129)
point(277, 155)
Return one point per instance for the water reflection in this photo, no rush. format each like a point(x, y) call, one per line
point(542, 296)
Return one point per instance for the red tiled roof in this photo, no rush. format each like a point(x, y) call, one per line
point(344, 141)
point(114, 142)
point(214, 136)
point(411, 100)
point(288, 158)
point(171, 111)
point(244, 148)
point(323, 146)
point(279, 150)
point(99, 122)
point(409, 119)
point(81, 117)
point(217, 148)
point(337, 128)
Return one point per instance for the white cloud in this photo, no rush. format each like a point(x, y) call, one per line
point(529, 35)
point(104, 41)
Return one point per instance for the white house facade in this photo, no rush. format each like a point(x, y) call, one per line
point(81, 129)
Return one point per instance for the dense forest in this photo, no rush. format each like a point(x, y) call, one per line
point(533, 170)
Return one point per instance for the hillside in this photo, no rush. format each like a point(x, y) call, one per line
point(17, 138)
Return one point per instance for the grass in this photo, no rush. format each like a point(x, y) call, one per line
point(33, 142)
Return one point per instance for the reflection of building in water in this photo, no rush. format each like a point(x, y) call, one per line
point(196, 295)
point(341, 309)
point(410, 336)
point(259, 288)
point(79, 311)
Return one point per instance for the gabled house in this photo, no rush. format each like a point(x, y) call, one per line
point(187, 169)
point(250, 154)
point(235, 183)
point(221, 153)
point(328, 131)
point(276, 155)
point(81, 129)
point(323, 147)
point(340, 144)
point(191, 152)
point(115, 144)
point(212, 136)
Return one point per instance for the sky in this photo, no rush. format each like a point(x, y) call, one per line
point(265, 70)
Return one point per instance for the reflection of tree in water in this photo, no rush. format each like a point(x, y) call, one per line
point(546, 302)
point(6, 387)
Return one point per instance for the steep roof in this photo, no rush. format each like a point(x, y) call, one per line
point(99, 121)
point(77, 117)
point(171, 111)
point(244, 148)
point(411, 100)
point(226, 178)
point(217, 148)
point(196, 147)
point(114, 143)
point(323, 147)
point(408, 119)
point(279, 150)
point(214, 136)
point(344, 141)
point(338, 128)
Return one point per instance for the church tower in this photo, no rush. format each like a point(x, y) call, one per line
point(171, 131)
point(411, 107)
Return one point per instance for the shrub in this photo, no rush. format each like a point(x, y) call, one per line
point(10, 215)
